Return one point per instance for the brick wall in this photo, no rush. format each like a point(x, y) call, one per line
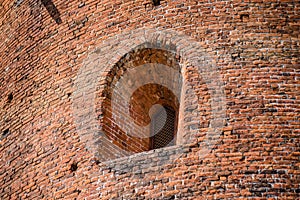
point(251, 48)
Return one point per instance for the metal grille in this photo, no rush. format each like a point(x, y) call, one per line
point(165, 136)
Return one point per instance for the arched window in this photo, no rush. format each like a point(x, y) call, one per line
point(115, 94)
point(127, 84)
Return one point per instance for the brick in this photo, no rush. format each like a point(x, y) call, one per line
point(45, 46)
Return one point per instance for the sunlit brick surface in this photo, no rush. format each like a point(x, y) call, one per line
point(255, 47)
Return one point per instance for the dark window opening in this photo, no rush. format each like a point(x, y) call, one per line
point(10, 98)
point(5, 132)
point(156, 2)
point(163, 128)
point(73, 167)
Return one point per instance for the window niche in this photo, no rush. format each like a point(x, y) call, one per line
point(152, 106)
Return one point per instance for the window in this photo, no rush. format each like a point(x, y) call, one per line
point(127, 108)
point(163, 131)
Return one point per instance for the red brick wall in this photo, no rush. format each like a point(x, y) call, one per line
point(251, 47)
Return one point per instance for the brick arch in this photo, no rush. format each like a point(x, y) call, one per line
point(128, 126)
point(99, 64)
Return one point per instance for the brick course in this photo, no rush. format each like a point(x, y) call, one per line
point(253, 46)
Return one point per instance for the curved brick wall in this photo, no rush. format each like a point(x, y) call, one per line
point(253, 46)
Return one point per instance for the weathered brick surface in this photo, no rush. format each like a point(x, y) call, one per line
point(255, 47)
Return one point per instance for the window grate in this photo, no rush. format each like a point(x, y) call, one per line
point(165, 136)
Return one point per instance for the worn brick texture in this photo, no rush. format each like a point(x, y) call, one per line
point(44, 155)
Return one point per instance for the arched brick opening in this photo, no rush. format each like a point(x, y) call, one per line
point(201, 109)
point(144, 101)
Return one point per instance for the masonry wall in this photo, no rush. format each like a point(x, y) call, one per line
point(255, 48)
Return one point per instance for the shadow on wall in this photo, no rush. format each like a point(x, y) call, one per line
point(52, 10)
